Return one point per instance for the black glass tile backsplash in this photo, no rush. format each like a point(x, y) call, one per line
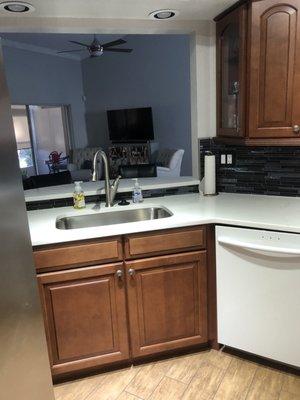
point(256, 170)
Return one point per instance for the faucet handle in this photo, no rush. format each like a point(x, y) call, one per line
point(116, 181)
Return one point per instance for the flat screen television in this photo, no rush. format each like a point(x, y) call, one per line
point(130, 125)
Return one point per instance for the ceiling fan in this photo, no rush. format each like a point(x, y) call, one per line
point(96, 49)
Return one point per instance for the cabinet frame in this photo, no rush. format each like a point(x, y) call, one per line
point(181, 245)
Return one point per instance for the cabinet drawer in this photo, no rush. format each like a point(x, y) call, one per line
point(162, 242)
point(80, 254)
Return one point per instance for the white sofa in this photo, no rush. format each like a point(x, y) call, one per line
point(80, 165)
point(168, 163)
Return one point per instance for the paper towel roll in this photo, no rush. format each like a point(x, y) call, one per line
point(209, 174)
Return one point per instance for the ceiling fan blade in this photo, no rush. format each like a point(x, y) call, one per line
point(119, 50)
point(114, 43)
point(70, 51)
point(81, 44)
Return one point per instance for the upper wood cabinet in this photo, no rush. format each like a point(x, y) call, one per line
point(271, 91)
point(273, 77)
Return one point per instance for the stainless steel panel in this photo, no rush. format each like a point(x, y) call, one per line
point(112, 217)
point(24, 364)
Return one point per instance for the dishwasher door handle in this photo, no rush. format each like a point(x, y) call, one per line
point(279, 251)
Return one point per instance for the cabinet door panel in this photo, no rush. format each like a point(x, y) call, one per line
point(80, 311)
point(85, 316)
point(273, 83)
point(167, 302)
point(231, 70)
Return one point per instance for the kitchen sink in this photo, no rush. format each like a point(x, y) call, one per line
point(112, 217)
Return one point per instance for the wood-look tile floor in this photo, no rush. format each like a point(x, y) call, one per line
point(207, 375)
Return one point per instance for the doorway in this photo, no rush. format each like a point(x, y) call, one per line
point(41, 130)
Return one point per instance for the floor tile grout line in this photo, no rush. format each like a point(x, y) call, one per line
point(188, 384)
point(197, 369)
point(152, 390)
point(201, 363)
point(282, 383)
point(103, 383)
point(138, 370)
point(215, 363)
point(173, 379)
point(104, 375)
point(224, 373)
point(252, 380)
point(281, 386)
point(164, 376)
point(124, 391)
point(95, 388)
point(178, 380)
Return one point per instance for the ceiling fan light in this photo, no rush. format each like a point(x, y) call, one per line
point(163, 14)
point(16, 7)
point(96, 53)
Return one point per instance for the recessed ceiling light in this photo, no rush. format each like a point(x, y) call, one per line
point(163, 14)
point(16, 7)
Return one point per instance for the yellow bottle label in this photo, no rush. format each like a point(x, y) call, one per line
point(79, 200)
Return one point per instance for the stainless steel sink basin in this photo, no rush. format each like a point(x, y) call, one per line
point(112, 217)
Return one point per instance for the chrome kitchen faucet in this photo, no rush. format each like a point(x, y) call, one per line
point(110, 189)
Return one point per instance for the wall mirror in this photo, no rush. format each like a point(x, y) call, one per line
point(61, 97)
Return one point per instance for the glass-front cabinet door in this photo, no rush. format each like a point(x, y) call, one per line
point(231, 76)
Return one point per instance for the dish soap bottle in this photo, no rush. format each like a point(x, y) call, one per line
point(137, 195)
point(78, 196)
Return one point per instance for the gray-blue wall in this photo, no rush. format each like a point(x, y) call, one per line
point(35, 78)
point(156, 74)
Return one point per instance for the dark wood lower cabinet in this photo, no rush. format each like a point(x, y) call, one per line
point(167, 302)
point(85, 316)
point(110, 313)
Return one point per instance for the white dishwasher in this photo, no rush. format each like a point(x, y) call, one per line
point(258, 292)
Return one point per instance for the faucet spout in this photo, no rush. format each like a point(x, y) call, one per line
point(110, 190)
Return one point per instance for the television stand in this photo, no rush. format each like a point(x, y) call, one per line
point(127, 154)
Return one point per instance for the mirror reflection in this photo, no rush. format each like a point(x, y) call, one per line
point(75, 94)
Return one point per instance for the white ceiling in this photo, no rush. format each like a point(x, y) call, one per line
point(125, 9)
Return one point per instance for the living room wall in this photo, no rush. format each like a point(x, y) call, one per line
point(156, 74)
point(43, 79)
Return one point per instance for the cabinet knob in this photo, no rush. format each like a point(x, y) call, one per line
point(131, 272)
point(296, 128)
point(119, 274)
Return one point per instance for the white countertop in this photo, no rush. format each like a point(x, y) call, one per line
point(256, 211)
point(93, 188)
